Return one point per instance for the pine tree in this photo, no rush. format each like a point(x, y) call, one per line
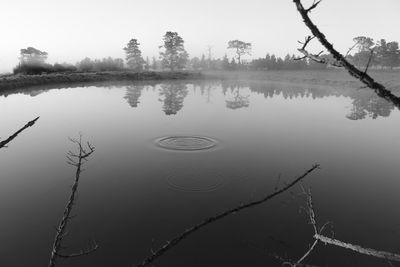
point(175, 55)
point(134, 58)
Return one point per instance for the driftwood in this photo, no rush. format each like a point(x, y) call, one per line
point(76, 160)
point(340, 60)
point(176, 240)
point(9, 139)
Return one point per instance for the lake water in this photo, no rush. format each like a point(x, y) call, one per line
point(171, 154)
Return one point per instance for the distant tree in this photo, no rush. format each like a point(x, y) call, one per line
point(147, 64)
point(33, 61)
point(195, 63)
point(85, 65)
point(154, 63)
point(225, 63)
point(106, 64)
point(134, 58)
point(174, 56)
point(365, 53)
point(363, 43)
point(393, 55)
point(203, 62)
point(242, 48)
point(233, 65)
point(32, 55)
point(388, 54)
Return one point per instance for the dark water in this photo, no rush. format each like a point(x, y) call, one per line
point(170, 154)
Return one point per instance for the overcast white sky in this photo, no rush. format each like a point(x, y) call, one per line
point(70, 30)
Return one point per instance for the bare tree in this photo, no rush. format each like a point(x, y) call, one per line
point(77, 160)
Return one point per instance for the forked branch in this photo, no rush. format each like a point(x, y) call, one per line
point(77, 160)
point(328, 240)
point(9, 139)
point(176, 240)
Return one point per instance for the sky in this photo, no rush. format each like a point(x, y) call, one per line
point(70, 30)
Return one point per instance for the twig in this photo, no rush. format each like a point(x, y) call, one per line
point(76, 160)
point(176, 240)
point(369, 61)
point(327, 240)
point(9, 139)
point(379, 89)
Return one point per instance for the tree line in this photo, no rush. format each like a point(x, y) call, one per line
point(173, 56)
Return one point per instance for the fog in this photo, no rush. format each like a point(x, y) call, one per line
point(72, 30)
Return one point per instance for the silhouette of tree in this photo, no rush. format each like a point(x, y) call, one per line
point(32, 56)
point(134, 58)
point(241, 48)
point(174, 56)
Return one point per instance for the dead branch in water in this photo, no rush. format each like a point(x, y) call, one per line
point(319, 237)
point(378, 88)
point(174, 241)
point(9, 139)
point(77, 160)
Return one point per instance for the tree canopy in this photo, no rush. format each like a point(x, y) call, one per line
point(242, 48)
point(174, 55)
point(134, 58)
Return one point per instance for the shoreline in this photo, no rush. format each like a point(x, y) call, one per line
point(328, 78)
point(15, 82)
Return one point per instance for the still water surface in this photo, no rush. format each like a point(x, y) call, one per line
point(170, 154)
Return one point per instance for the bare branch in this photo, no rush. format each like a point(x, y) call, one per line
point(176, 240)
point(369, 61)
point(367, 251)
point(379, 89)
point(327, 240)
point(314, 5)
point(75, 160)
point(80, 253)
point(9, 139)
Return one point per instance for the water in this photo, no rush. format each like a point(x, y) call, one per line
point(170, 154)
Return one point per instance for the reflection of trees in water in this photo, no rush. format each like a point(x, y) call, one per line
point(367, 105)
point(238, 101)
point(133, 93)
point(173, 94)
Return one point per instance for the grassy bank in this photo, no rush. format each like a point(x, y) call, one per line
point(10, 82)
point(329, 78)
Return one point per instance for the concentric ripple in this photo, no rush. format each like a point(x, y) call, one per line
point(186, 143)
point(195, 181)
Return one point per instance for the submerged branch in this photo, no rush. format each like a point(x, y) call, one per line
point(9, 139)
point(327, 240)
point(174, 241)
point(379, 89)
point(76, 160)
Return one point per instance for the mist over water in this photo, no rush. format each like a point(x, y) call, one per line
point(173, 153)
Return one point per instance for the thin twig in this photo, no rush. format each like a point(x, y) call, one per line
point(176, 240)
point(369, 61)
point(9, 139)
point(76, 160)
